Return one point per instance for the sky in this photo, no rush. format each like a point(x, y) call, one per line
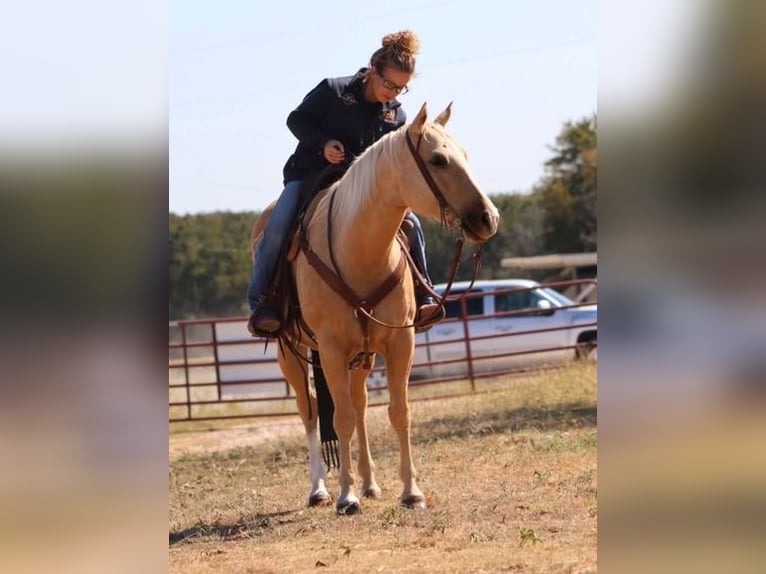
point(515, 70)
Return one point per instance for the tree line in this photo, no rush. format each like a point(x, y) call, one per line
point(209, 254)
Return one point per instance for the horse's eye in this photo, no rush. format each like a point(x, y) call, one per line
point(439, 160)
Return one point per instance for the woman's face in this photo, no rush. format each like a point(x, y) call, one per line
point(387, 84)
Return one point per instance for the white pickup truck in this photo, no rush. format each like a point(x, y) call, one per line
point(503, 324)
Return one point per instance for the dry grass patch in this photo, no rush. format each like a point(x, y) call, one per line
point(509, 476)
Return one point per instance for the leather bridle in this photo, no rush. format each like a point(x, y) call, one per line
point(432, 185)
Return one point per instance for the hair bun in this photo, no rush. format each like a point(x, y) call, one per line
point(405, 41)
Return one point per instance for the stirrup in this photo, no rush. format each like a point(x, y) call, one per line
point(264, 322)
point(428, 315)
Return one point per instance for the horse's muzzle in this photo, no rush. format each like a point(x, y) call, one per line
point(481, 226)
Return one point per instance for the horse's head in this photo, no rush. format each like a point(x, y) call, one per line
point(455, 196)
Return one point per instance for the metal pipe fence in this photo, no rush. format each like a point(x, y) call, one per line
point(218, 371)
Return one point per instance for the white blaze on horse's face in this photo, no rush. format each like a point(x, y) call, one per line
point(469, 210)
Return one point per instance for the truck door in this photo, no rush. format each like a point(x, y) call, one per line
point(520, 315)
point(459, 335)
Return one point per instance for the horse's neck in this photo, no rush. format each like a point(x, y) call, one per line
point(364, 226)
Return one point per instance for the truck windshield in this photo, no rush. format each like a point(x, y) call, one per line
point(559, 298)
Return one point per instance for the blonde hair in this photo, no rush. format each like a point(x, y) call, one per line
point(397, 51)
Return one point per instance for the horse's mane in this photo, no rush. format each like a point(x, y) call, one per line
point(353, 190)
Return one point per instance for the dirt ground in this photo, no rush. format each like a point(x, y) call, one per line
point(250, 434)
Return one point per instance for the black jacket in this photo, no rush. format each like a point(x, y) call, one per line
point(336, 109)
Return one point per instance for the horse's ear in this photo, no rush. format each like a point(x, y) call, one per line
point(443, 117)
point(416, 127)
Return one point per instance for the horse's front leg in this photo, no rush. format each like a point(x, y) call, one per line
point(366, 467)
point(334, 364)
point(296, 373)
point(398, 365)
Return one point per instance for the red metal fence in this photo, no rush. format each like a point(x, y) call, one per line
point(218, 371)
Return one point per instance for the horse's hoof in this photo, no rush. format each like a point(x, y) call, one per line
point(373, 492)
point(349, 509)
point(319, 499)
point(415, 501)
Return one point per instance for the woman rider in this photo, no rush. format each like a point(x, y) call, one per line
point(335, 122)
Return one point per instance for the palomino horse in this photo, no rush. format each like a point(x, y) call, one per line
point(353, 232)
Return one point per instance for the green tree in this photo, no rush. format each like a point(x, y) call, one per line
point(518, 235)
point(567, 192)
point(209, 264)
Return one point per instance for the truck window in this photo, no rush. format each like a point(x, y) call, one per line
point(474, 305)
point(515, 300)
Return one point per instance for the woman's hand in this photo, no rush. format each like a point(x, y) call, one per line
point(333, 151)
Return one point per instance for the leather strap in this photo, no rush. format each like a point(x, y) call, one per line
point(368, 303)
point(426, 174)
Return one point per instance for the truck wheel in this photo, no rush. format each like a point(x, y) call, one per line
point(587, 351)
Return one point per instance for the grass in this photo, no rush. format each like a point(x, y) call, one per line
point(509, 476)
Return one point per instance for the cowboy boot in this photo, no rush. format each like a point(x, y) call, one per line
point(264, 320)
point(428, 314)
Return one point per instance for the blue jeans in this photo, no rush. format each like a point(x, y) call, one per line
point(271, 246)
point(418, 245)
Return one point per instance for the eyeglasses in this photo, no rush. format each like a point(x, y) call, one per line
point(389, 85)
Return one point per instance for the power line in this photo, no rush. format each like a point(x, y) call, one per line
point(252, 97)
point(514, 52)
point(314, 26)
